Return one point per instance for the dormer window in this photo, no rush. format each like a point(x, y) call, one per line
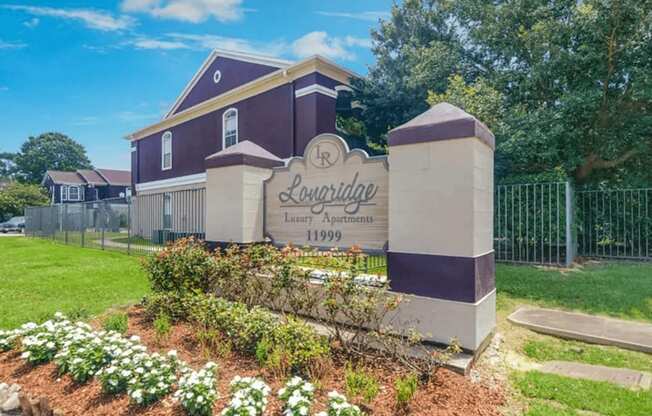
point(229, 128)
point(166, 151)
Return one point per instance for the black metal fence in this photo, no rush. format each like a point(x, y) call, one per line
point(615, 223)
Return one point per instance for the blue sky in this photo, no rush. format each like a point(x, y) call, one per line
point(97, 70)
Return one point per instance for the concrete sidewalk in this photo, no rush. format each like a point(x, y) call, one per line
point(588, 328)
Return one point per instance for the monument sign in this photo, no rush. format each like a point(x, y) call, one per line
point(331, 197)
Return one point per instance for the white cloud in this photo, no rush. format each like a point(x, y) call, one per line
point(234, 44)
point(94, 19)
point(11, 45)
point(187, 10)
point(370, 16)
point(320, 43)
point(31, 23)
point(146, 43)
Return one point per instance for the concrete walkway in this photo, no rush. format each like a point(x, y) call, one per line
point(631, 379)
point(588, 328)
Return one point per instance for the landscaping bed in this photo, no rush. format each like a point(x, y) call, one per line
point(447, 394)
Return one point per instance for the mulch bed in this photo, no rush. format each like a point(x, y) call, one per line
point(447, 395)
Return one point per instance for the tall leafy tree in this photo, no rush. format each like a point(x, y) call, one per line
point(416, 51)
point(576, 77)
point(16, 196)
point(49, 151)
point(6, 165)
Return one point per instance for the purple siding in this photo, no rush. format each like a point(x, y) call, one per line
point(315, 114)
point(315, 78)
point(234, 74)
point(264, 119)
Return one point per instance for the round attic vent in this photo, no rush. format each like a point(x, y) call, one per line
point(217, 76)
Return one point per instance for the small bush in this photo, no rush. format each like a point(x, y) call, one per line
point(339, 406)
point(406, 388)
point(294, 346)
point(118, 322)
point(162, 327)
point(360, 383)
point(197, 392)
point(297, 397)
point(185, 266)
point(249, 397)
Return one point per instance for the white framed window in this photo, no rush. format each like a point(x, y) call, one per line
point(167, 211)
point(64, 193)
point(217, 76)
point(166, 151)
point(74, 193)
point(229, 128)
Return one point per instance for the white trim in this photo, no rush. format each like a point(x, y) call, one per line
point(217, 76)
point(166, 135)
point(239, 56)
point(237, 126)
point(167, 183)
point(315, 88)
point(133, 149)
point(343, 88)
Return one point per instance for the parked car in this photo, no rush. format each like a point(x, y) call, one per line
point(15, 224)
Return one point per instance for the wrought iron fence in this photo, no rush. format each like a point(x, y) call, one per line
point(532, 223)
point(615, 223)
point(142, 224)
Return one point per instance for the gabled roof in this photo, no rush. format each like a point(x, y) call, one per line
point(238, 56)
point(64, 178)
point(265, 83)
point(97, 177)
point(91, 177)
point(115, 177)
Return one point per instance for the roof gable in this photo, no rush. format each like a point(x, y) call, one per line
point(91, 177)
point(59, 177)
point(115, 177)
point(97, 177)
point(234, 68)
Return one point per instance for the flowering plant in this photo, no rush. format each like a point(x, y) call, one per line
point(197, 392)
point(41, 343)
point(249, 397)
point(153, 377)
point(116, 376)
point(339, 406)
point(297, 396)
point(9, 338)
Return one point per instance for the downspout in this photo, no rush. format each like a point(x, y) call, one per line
point(293, 121)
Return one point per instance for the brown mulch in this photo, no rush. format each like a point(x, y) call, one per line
point(449, 394)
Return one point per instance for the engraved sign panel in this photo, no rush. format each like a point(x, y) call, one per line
point(331, 197)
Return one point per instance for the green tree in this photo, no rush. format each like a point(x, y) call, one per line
point(16, 196)
point(6, 165)
point(49, 151)
point(416, 50)
point(576, 77)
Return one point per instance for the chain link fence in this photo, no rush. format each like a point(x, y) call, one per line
point(140, 225)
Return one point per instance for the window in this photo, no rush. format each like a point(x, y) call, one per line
point(229, 128)
point(166, 151)
point(167, 211)
point(74, 193)
point(217, 76)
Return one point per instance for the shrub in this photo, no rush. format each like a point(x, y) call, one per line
point(162, 327)
point(116, 377)
point(176, 305)
point(297, 396)
point(360, 383)
point(184, 266)
point(406, 388)
point(249, 397)
point(292, 345)
point(84, 353)
point(118, 322)
point(41, 343)
point(339, 406)
point(197, 392)
point(153, 377)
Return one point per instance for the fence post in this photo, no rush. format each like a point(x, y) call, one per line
point(83, 222)
point(128, 227)
point(570, 222)
point(103, 218)
point(64, 222)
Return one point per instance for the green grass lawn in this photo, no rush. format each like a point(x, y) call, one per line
point(554, 349)
point(571, 395)
point(39, 277)
point(619, 289)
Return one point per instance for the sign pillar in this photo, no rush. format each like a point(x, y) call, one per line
point(441, 224)
point(234, 193)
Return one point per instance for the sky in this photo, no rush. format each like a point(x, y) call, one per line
point(98, 70)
